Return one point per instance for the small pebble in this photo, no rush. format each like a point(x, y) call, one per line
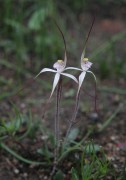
point(44, 137)
point(16, 171)
point(110, 145)
point(115, 166)
point(77, 156)
point(113, 138)
point(25, 175)
point(94, 117)
point(45, 177)
point(22, 105)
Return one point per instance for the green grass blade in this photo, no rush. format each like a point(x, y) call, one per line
point(109, 120)
point(113, 90)
point(17, 156)
point(106, 45)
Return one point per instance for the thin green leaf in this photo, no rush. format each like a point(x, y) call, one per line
point(92, 148)
point(17, 156)
point(109, 120)
point(74, 174)
point(73, 134)
point(37, 19)
point(59, 175)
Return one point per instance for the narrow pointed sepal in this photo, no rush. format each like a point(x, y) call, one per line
point(93, 75)
point(55, 82)
point(81, 79)
point(83, 54)
point(45, 70)
point(70, 76)
point(73, 68)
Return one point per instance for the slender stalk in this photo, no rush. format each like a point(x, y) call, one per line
point(57, 127)
point(95, 96)
point(73, 120)
point(57, 123)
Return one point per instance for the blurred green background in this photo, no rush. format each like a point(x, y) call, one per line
point(29, 40)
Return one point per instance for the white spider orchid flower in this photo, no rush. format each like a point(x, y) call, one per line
point(60, 68)
point(85, 65)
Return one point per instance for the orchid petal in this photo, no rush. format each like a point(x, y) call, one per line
point(70, 76)
point(65, 59)
point(88, 35)
point(83, 54)
point(93, 75)
point(55, 82)
point(73, 68)
point(45, 70)
point(65, 55)
point(81, 79)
